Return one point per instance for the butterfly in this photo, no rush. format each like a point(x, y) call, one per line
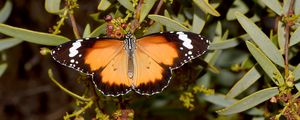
point(143, 65)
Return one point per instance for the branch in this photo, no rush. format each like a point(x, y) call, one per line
point(288, 24)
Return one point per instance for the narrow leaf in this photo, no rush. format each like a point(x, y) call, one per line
point(32, 36)
point(224, 44)
point(297, 72)
point(269, 68)
point(286, 6)
point(238, 5)
point(274, 5)
point(87, 31)
point(297, 9)
point(99, 30)
point(198, 20)
point(297, 85)
point(154, 28)
point(262, 41)
point(205, 6)
point(295, 37)
point(281, 32)
point(167, 14)
point(52, 6)
point(168, 22)
point(3, 67)
point(146, 7)
point(127, 4)
point(250, 101)
point(5, 11)
point(245, 82)
point(8, 42)
point(221, 100)
point(103, 5)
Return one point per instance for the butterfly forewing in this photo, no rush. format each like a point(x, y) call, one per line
point(173, 48)
point(102, 58)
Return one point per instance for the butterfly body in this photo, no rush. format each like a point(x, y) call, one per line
point(119, 66)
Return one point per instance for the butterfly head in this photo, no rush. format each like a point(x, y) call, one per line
point(129, 35)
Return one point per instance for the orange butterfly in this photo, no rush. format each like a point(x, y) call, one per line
point(120, 65)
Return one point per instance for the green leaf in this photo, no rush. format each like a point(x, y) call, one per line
point(286, 6)
point(269, 68)
point(274, 5)
point(87, 31)
point(3, 67)
point(154, 28)
point(168, 22)
point(297, 85)
point(127, 4)
point(53, 6)
point(8, 42)
point(297, 9)
point(198, 20)
point(249, 101)
point(205, 6)
point(166, 14)
point(104, 4)
point(297, 72)
point(221, 100)
point(281, 32)
point(238, 5)
point(5, 11)
point(99, 30)
point(295, 37)
point(32, 36)
point(245, 82)
point(146, 7)
point(262, 41)
point(224, 44)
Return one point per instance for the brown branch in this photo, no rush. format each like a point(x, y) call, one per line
point(288, 24)
point(135, 23)
point(157, 10)
point(74, 26)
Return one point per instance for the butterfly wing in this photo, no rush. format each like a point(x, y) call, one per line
point(158, 54)
point(103, 59)
point(150, 76)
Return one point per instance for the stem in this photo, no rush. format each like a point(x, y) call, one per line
point(288, 24)
point(135, 23)
point(65, 89)
point(89, 104)
point(157, 10)
point(74, 26)
point(60, 22)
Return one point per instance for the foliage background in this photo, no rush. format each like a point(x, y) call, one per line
point(245, 67)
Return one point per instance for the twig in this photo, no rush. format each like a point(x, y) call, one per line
point(66, 90)
point(288, 24)
point(157, 10)
point(135, 23)
point(74, 26)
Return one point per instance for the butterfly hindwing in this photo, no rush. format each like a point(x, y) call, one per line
point(113, 80)
point(98, 57)
point(150, 77)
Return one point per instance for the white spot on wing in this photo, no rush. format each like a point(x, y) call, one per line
point(186, 41)
point(190, 52)
point(73, 50)
point(72, 60)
